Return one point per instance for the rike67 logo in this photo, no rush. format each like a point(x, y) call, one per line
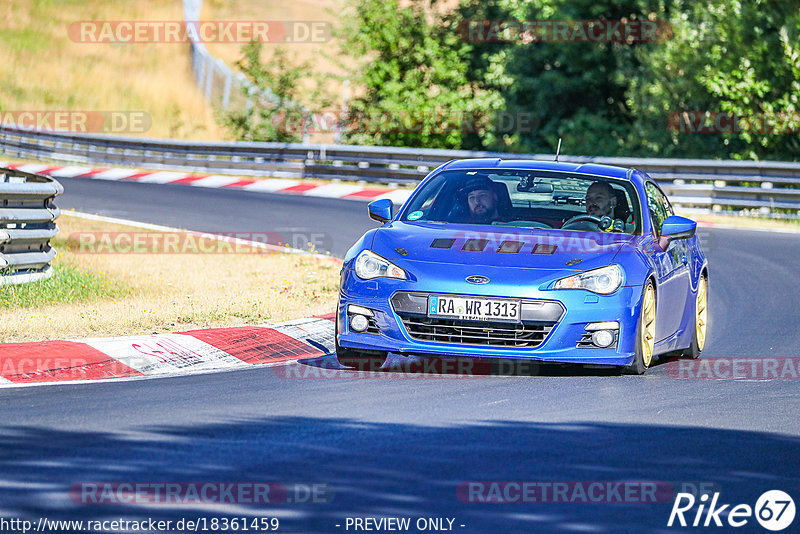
point(774, 510)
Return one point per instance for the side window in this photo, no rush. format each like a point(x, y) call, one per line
point(659, 206)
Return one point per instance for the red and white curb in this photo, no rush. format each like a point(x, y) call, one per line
point(195, 351)
point(264, 185)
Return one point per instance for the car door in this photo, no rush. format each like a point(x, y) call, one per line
point(672, 266)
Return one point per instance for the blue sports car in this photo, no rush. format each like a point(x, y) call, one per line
point(545, 261)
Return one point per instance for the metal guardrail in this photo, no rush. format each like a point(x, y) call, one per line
point(763, 185)
point(219, 83)
point(27, 224)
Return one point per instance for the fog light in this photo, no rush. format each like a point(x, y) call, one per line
point(358, 323)
point(603, 338)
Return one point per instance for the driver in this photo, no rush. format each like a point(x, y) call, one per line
point(482, 201)
point(600, 200)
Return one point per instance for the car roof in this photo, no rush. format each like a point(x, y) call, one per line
point(595, 169)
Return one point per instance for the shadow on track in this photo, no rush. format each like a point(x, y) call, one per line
point(328, 367)
point(379, 469)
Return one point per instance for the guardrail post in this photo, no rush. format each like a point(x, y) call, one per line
point(27, 224)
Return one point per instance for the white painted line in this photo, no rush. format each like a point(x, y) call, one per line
point(162, 177)
point(32, 167)
point(125, 222)
point(333, 190)
point(69, 171)
point(115, 174)
point(270, 185)
point(215, 180)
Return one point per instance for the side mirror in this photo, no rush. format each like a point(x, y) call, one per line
point(380, 210)
point(675, 227)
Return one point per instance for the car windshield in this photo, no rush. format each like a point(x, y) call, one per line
point(528, 199)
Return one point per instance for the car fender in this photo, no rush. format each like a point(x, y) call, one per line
point(637, 265)
point(698, 260)
point(364, 242)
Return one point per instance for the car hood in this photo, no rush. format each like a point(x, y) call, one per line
point(467, 245)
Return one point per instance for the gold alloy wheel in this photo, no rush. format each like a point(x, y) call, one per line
point(701, 312)
point(648, 332)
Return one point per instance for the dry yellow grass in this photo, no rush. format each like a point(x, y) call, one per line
point(299, 11)
point(326, 60)
point(43, 69)
point(176, 292)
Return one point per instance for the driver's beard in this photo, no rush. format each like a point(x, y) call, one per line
point(485, 217)
point(599, 213)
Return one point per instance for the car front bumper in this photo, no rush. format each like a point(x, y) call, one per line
point(581, 307)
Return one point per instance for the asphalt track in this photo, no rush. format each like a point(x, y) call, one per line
point(400, 445)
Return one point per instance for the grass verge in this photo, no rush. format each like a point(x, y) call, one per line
point(68, 284)
point(745, 221)
point(126, 293)
point(45, 67)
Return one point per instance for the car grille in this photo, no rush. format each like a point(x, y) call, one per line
point(476, 332)
point(538, 319)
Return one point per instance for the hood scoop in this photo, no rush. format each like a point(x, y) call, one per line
point(542, 248)
point(475, 245)
point(441, 242)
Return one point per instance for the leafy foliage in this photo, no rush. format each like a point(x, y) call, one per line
point(421, 82)
point(273, 112)
point(415, 90)
point(740, 57)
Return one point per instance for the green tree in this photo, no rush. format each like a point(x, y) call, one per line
point(741, 57)
point(575, 90)
point(412, 78)
point(273, 111)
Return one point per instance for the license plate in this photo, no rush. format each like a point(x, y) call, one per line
point(474, 309)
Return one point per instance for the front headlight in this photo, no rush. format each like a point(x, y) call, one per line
point(604, 280)
point(369, 265)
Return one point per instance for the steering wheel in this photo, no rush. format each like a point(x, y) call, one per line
point(583, 217)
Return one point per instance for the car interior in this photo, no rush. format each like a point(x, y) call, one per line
point(530, 202)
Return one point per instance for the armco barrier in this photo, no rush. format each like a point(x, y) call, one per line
point(27, 224)
point(706, 184)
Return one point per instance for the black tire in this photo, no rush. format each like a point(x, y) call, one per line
point(356, 359)
point(639, 366)
point(694, 350)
